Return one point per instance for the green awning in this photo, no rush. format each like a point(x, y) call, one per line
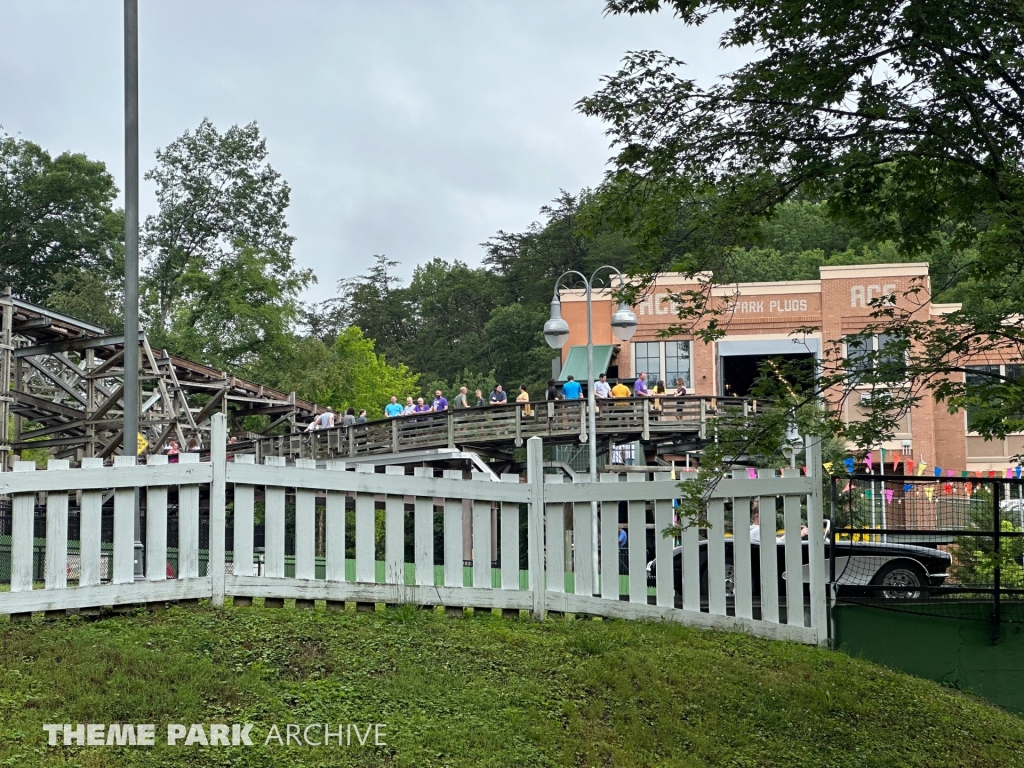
point(576, 362)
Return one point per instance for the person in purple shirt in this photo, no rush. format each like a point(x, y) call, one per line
point(640, 387)
point(420, 407)
point(440, 404)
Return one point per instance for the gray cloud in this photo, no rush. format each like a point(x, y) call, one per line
point(405, 127)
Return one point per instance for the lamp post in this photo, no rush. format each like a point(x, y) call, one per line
point(131, 254)
point(556, 333)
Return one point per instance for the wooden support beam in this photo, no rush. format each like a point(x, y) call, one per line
point(48, 374)
point(73, 345)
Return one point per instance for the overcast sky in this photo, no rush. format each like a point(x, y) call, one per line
point(414, 128)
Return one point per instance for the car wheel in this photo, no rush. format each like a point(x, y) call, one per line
point(730, 581)
point(901, 574)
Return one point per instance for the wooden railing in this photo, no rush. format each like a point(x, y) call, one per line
point(557, 549)
point(512, 424)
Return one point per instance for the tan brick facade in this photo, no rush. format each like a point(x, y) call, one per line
point(837, 304)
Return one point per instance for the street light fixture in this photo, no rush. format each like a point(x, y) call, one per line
point(556, 333)
point(556, 330)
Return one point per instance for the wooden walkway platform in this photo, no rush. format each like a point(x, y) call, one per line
point(501, 429)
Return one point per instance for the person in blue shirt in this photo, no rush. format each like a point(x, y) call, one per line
point(498, 396)
point(440, 403)
point(640, 386)
point(393, 408)
point(571, 390)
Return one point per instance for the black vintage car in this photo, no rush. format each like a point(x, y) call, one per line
point(863, 568)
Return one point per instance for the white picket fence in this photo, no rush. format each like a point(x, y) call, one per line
point(547, 501)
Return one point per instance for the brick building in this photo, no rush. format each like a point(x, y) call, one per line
point(761, 322)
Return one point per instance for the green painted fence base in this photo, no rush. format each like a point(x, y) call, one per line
point(953, 651)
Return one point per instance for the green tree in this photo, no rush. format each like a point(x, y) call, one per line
point(903, 119)
point(56, 218)
point(345, 374)
point(220, 283)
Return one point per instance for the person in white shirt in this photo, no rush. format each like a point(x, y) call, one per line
point(602, 389)
point(755, 531)
point(326, 419)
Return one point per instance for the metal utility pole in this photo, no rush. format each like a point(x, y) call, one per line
point(131, 251)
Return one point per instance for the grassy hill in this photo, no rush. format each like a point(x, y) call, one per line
point(480, 691)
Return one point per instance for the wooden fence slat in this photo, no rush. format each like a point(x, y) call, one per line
point(90, 525)
point(56, 561)
point(335, 529)
point(124, 527)
point(769, 560)
point(305, 532)
point(691, 568)
point(716, 556)
point(482, 544)
point(636, 541)
point(554, 517)
point(423, 534)
point(794, 562)
point(453, 576)
point(610, 544)
point(366, 568)
point(156, 526)
point(741, 557)
point(663, 552)
point(273, 532)
point(23, 508)
point(394, 534)
point(583, 555)
point(509, 527)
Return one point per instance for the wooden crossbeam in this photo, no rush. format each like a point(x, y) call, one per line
point(56, 380)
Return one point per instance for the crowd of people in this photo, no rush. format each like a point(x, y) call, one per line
point(570, 390)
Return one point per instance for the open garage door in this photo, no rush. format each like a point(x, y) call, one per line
point(740, 363)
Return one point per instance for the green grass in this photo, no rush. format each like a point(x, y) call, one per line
point(480, 691)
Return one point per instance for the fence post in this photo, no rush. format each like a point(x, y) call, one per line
point(535, 524)
point(815, 541)
point(218, 519)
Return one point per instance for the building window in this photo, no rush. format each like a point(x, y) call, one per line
point(877, 358)
point(662, 361)
point(677, 363)
point(977, 377)
point(647, 356)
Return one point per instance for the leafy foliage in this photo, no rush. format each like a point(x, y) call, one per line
point(55, 219)
point(904, 120)
point(347, 373)
point(220, 283)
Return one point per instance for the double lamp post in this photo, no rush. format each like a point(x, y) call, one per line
point(556, 333)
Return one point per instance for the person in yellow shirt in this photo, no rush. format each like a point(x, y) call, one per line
point(620, 390)
point(524, 397)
